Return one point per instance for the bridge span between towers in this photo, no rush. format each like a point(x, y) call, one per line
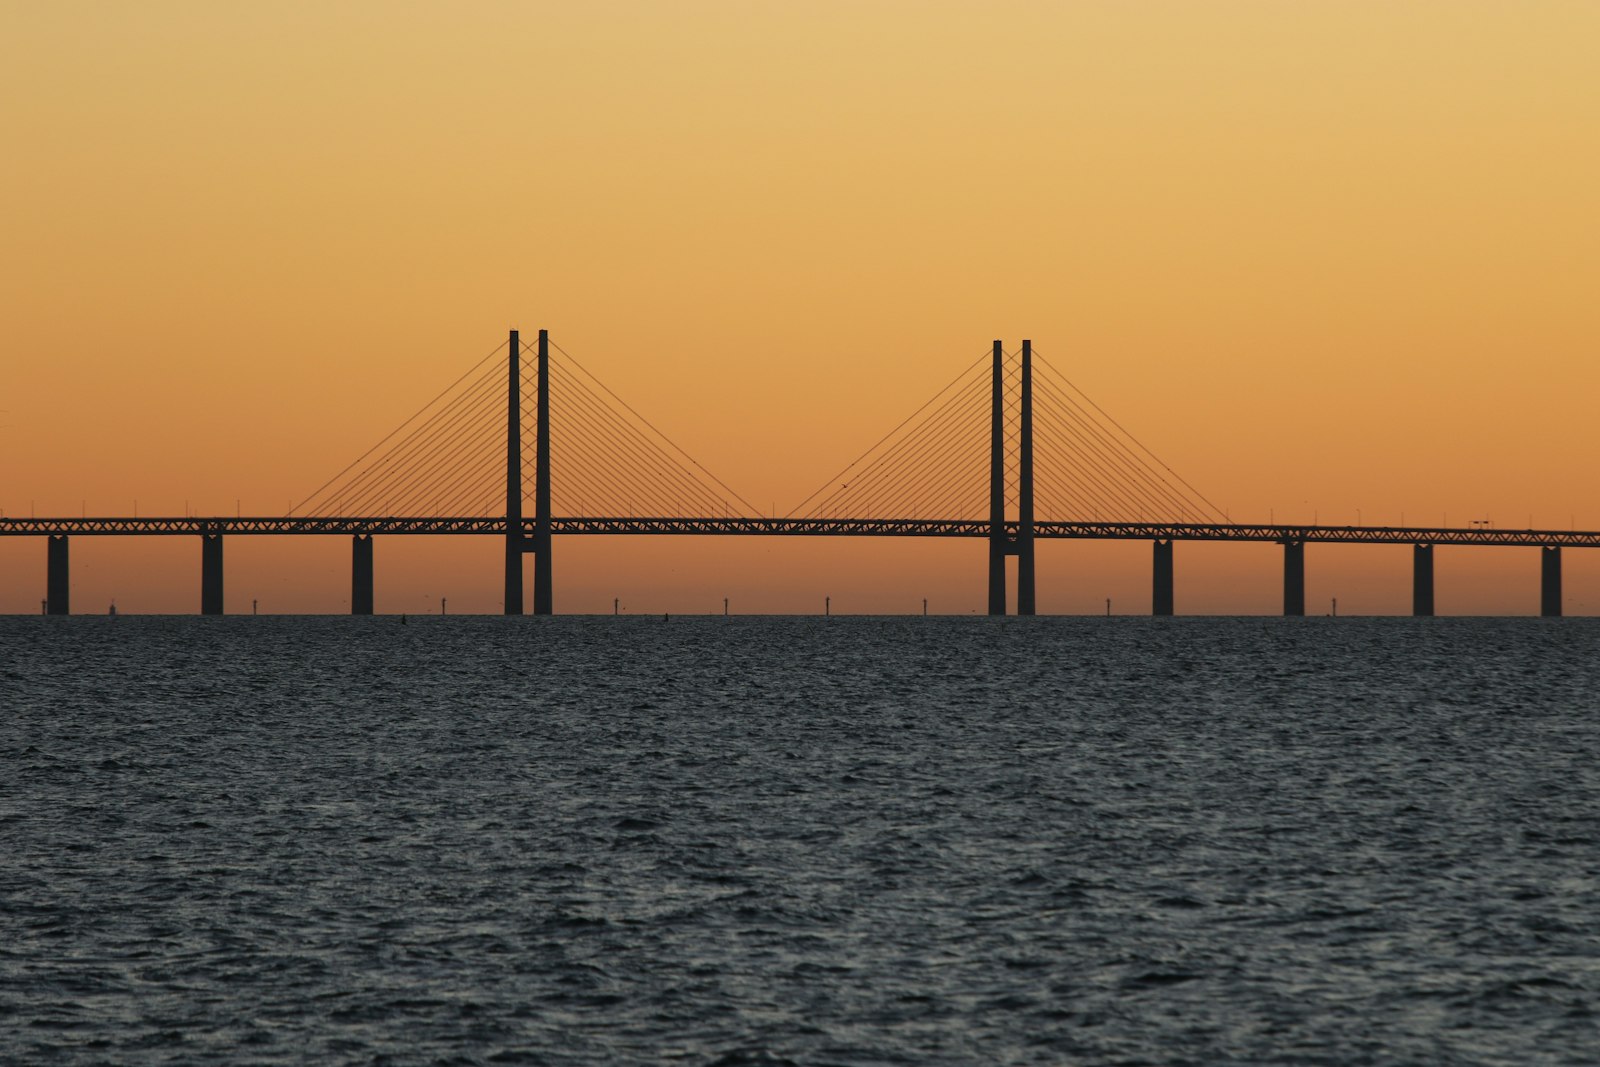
point(1001, 454)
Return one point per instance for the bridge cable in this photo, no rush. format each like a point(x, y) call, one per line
point(402, 426)
point(434, 457)
point(927, 469)
point(940, 459)
point(1120, 468)
point(635, 454)
point(847, 468)
point(1213, 508)
point(622, 471)
point(652, 427)
point(884, 475)
point(651, 470)
point(642, 477)
point(382, 472)
point(867, 484)
point(1094, 457)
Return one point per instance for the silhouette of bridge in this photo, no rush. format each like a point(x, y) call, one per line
point(1009, 429)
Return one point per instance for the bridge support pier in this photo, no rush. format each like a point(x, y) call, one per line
point(1422, 580)
point(211, 574)
point(361, 586)
point(58, 577)
point(1550, 580)
point(1294, 578)
point(1161, 584)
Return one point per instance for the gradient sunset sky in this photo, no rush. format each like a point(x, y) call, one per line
point(1336, 261)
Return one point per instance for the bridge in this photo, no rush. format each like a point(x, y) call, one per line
point(1008, 428)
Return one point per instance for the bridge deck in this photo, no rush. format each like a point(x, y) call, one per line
point(741, 526)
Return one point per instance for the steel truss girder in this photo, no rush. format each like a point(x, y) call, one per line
point(743, 526)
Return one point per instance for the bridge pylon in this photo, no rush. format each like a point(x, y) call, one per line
point(513, 598)
point(543, 595)
point(517, 542)
point(1001, 543)
point(1025, 583)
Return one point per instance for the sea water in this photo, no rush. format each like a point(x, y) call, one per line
point(799, 840)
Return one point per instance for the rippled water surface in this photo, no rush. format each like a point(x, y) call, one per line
point(818, 841)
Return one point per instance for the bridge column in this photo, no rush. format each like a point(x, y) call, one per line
point(361, 585)
point(543, 593)
point(997, 486)
point(1422, 580)
point(1025, 571)
point(514, 546)
point(1550, 580)
point(1161, 585)
point(1294, 578)
point(211, 573)
point(58, 576)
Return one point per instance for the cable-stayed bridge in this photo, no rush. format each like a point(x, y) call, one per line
point(1009, 452)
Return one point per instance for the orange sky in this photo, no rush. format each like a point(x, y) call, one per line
point(1322, 258)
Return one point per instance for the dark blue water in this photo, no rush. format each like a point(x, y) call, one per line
point(841, 841)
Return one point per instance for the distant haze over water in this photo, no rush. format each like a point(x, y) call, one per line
point(798, 840)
